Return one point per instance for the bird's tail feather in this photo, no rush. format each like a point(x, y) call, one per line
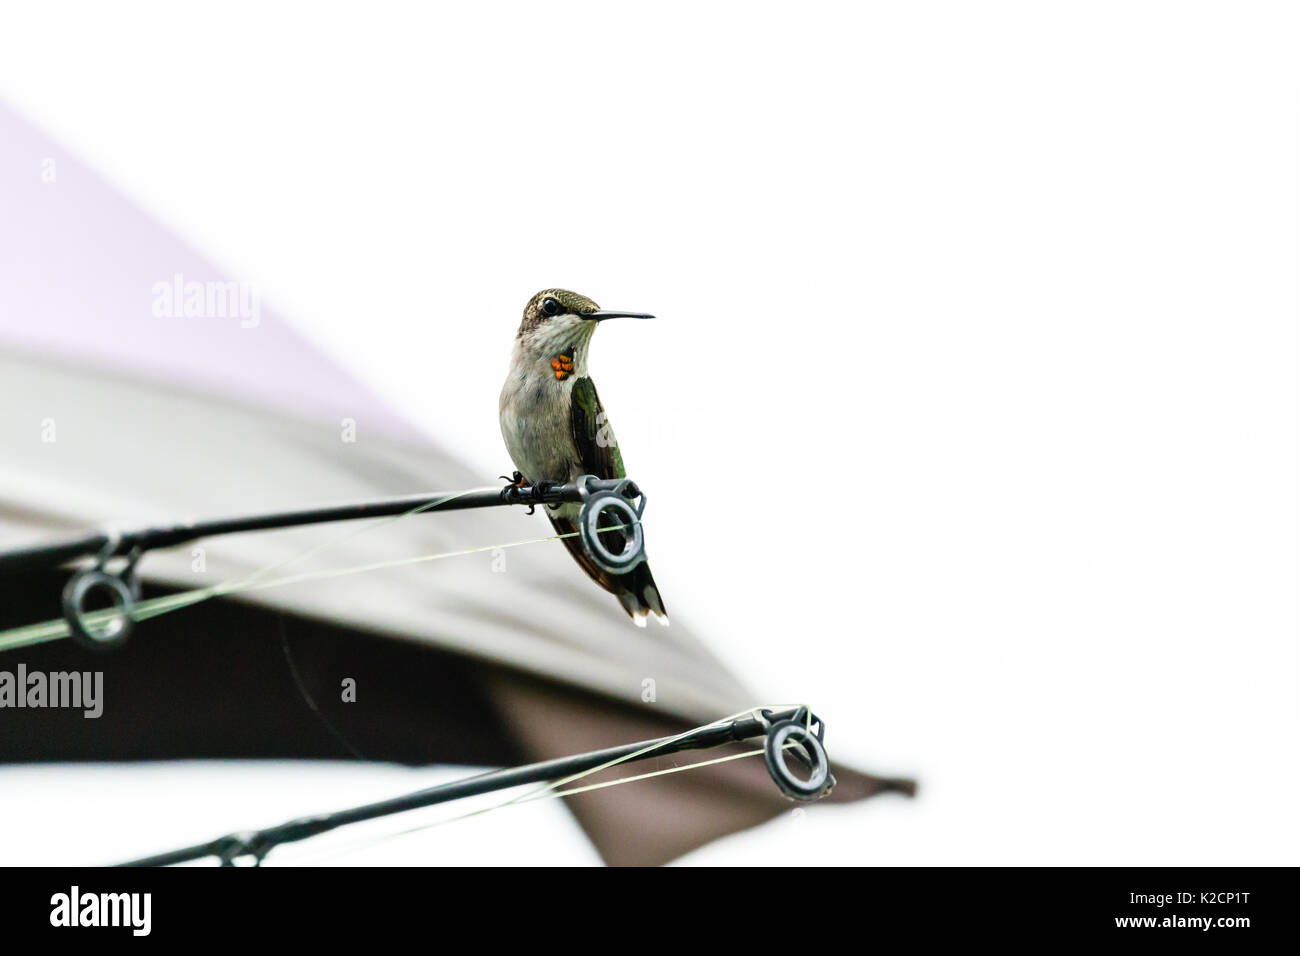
point(640, 596)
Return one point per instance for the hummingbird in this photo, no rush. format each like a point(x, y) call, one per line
point(556, 429)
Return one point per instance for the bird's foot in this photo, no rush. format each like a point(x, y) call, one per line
point(513, 492)
point(515, 484)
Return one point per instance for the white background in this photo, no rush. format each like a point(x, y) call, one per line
point(994, 305)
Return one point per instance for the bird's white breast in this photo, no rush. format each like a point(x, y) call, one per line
point(536, 406)
point(535, 425)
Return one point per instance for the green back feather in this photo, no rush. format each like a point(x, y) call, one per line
point(592, 433)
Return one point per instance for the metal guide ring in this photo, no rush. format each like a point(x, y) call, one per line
point(124, 589)
point(614, 504)
point(787, 732)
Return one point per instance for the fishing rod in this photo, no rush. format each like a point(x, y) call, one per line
point(794, 731)
point(607, 505)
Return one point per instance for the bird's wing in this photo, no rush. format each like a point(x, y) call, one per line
point(599, 454)
point(592, 433)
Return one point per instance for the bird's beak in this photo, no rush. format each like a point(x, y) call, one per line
point(601, 314)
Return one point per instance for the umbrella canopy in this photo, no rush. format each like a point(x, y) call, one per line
point(119, 407)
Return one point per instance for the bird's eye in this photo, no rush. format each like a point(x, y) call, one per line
point(551, 307)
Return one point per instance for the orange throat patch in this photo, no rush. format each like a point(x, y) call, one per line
point(563, 365)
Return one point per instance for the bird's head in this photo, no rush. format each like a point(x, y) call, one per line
point(554, 316)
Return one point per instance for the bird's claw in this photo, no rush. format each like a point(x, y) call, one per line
point(512, 493)
point(515, 484)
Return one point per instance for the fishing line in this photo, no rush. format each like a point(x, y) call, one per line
point(381, 523)
point(301, 686)
point(58, 628)
point(366, 843)
point(258, 580)
point(551, 791)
